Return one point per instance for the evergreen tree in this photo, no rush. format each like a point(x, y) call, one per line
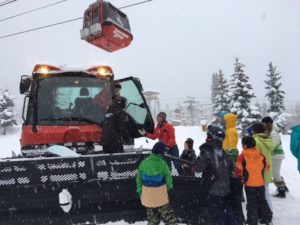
point(275, 96)
point(7, 113)
point(262, 108)
point(258, 106)
point(213, 93)
point(241, 94)
point(220, 101)
point(214, 88)
point(255, 114)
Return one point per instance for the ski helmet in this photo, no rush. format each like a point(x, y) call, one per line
point(216, 133)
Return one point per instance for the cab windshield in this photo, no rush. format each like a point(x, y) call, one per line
point(72, 100)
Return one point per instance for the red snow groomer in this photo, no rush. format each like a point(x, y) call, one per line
point(106, 27)
point(66, 107)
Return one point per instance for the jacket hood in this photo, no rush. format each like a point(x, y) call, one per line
point(222, 114)
point(261, 136)
point(230, 120)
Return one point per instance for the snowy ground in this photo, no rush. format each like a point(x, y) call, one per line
point(286, 211)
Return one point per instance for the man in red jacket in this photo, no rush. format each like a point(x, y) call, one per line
point(165, 132)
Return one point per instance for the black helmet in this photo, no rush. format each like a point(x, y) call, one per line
point(216, 133)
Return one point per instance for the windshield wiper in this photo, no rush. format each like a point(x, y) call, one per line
point(71, 119)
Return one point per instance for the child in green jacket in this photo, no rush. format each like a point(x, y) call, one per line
point(153, 181)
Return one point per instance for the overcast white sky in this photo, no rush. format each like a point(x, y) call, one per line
point(177, 44)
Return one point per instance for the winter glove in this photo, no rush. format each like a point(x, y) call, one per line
point(142, 132)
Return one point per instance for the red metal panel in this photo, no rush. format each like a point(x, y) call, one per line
point(113, 38)
point(60, 134)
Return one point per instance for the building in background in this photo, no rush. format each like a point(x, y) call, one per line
point(152, 98)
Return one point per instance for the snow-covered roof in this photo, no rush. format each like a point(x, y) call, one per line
point(150, 92)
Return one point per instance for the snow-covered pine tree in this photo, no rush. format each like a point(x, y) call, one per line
point(262, 108)
point(7, 113)
point(275, 97)
point(241, 94)
point(213, 94)
point(220, 100)
point(214, 81)
point(259, 106)
point(255, 114)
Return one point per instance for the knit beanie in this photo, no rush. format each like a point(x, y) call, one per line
point(163, 115)
point(189, 142)
point(159, 148)
point(248, 141)
point(267, 119)
point(258, 128)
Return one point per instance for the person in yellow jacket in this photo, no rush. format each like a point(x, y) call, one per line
point(230, 146)
point(231, 134)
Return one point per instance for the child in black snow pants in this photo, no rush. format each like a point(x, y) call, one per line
point(250, 167)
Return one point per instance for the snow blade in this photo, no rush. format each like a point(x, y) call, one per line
point(62, 151)
point(88, 190)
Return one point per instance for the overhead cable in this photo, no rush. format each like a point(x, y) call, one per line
point(32, 10)
point(63, 22)
point(7, 2)
point(39, 28)
point(134, 4)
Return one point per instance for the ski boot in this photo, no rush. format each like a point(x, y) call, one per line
point(281, 188)
point(285, 187)
point(280, 192)
point(265, 222)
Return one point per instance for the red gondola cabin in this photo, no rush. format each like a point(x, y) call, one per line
point(106, 27)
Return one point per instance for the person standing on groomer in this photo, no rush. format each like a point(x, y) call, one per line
point(165, 132)
point(115, 127)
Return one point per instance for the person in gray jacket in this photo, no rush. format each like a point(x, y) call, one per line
point(212, 154)
point(277, 156)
